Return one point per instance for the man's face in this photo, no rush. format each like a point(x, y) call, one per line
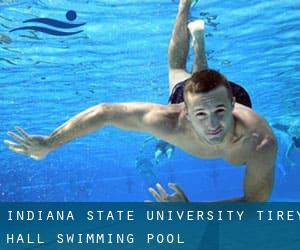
point(210, 114)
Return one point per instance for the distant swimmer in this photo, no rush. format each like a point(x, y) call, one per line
point(145, 169)
point(4, 39)
point(293, 131)
point(145, 161)
point(208, 117)
point(283, 142)
point(161, 149)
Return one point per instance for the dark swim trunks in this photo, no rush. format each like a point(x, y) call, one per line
point(240, 94)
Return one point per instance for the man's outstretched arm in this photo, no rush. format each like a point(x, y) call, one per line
point(258, 181)
point(259, 176)
point(130, 116)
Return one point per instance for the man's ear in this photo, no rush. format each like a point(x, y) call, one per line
point(186, 113)
point(233, 101)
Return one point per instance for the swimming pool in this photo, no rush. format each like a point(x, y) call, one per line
point(121, 55)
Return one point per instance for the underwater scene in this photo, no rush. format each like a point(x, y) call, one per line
point(59, 58)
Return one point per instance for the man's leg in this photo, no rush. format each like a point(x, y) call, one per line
point(179, 46)
point(196, 29)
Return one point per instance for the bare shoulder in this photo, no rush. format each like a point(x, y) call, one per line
point(166, 118)
point(254, 127)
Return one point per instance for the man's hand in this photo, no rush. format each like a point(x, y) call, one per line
point(163, 196)
point(33, 146)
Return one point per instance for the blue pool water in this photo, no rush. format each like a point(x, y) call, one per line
point(121, 56)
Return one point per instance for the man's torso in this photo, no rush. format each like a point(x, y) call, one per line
point(249, 130)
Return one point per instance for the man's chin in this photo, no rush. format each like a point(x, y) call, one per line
point(214, 140)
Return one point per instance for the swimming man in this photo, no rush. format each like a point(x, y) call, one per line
point(210, 118)
point(292, 130)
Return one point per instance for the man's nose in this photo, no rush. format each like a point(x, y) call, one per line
point(213, 123)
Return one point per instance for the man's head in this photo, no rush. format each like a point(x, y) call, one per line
point(209, 103)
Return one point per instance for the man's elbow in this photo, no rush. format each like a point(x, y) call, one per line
point(260, 197)
point(94, 117)
point(263, 191)
point(104, 112)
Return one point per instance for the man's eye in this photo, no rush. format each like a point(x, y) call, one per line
point(201, 114)
point(219, 111)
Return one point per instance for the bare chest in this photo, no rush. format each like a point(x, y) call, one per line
point(238, 153)
point(235, 153)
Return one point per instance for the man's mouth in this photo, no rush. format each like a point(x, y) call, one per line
point(215, 131)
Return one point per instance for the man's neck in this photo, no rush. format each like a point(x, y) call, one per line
point(231, 134)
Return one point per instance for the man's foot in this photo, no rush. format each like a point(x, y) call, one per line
point(192, 2)
point(196, 29)
point(185, 3)
point(5, 39)
point(157, 156)
point(170, 152)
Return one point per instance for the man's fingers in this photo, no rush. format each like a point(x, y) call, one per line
point(18, 150)
point(11, 145)
point(35, 157)
point(161, 191)
point(177, 189)
point(16, 137)
point(23, 133)
point(155, 194)
point(17, 147)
